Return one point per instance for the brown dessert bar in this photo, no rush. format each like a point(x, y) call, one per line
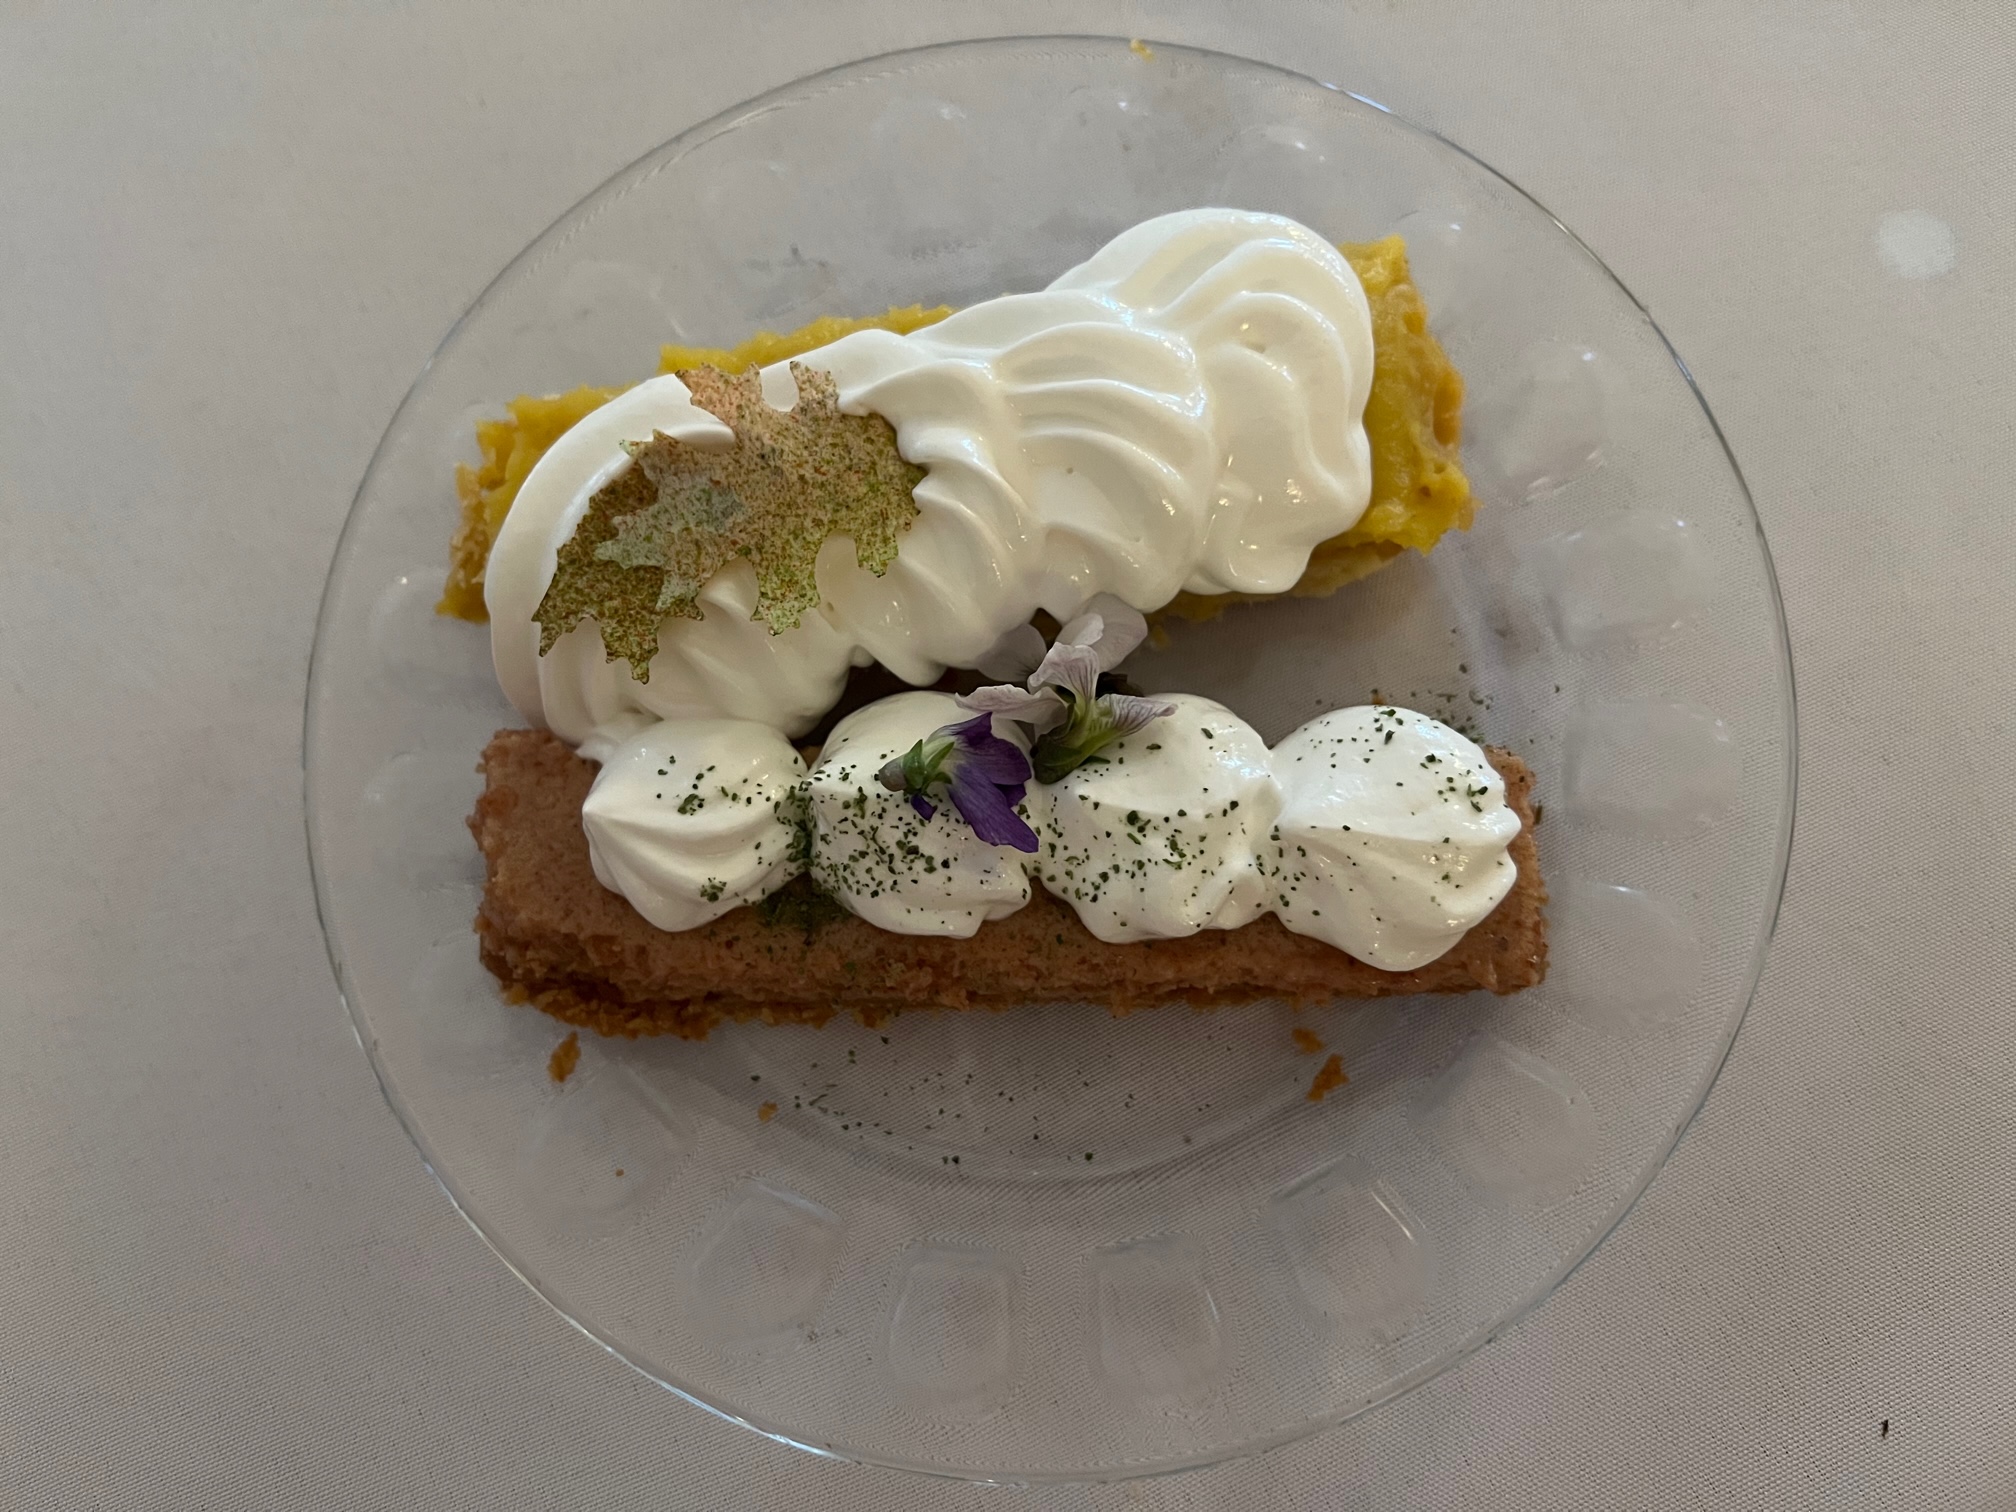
point(554, 935)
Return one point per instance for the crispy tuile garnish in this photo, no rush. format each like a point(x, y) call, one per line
point(652, 537)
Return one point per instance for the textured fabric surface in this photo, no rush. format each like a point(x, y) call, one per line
point(232, 233)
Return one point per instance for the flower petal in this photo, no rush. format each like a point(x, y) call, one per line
point(1126, 713)
point(1109, 623)
point(1073, 668)
point(989, 810)
point(984, 754)
point(1014, 656)
point(923, 805)
point(1123, 629)
point(1041, 708)
point(1085, 630)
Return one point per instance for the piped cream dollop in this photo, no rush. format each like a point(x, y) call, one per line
point(1182, 411)
point(881, 858)
point(1393, 835)
point(690, 818)
point(1159, 839)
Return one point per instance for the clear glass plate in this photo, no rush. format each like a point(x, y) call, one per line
point(1050, 1243)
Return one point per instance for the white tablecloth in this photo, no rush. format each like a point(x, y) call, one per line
point(229, 236)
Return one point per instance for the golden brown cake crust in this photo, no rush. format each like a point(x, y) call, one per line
point(553, 934)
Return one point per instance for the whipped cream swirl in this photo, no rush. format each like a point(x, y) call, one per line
point(691, 818)
point(1159, 839)
point(1392, 836)
point(878, 855)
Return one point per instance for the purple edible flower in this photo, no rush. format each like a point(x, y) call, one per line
point(983, 775)
point(1070, 719)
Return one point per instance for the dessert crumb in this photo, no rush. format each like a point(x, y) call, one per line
point(767, 1112)
point(1329, 1077)
point(1307, 1041)
point(566, 1056)
point(1140, 49)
